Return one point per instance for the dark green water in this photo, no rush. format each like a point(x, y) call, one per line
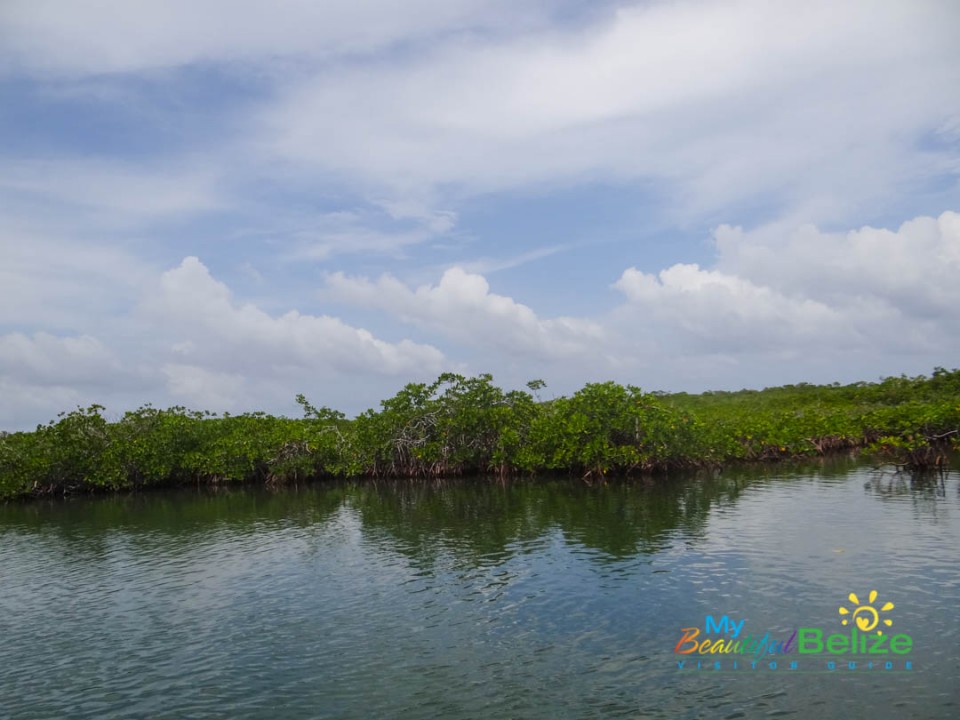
point(474, 599)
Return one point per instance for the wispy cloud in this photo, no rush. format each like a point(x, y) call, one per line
point(113, 36)
point(485, 266)
point(718, 102)
point(109, 193)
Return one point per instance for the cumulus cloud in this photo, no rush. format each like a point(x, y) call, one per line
point(912, 269)
point(461, 307)
point(203, 318)
point(726, 312)
point(191, 341)
point(775, 288)
point(780, 304)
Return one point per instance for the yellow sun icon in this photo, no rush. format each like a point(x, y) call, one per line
point(866, 617)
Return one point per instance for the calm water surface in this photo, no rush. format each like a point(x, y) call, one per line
point(545, 599)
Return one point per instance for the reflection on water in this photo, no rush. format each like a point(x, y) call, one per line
point(544, 599)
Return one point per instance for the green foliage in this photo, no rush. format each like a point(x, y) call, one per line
point(62, 455)
point(454, 425)
point(606, 427)
point(459, 425)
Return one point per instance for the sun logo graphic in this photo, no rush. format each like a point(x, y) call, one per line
point(866, 617)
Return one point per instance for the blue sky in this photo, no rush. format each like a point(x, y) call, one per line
point(224, 204)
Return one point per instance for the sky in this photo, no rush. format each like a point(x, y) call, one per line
point(223, 204)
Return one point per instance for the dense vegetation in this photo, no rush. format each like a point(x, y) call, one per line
point(459, 425)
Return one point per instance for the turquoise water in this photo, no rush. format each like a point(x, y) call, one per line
point(476, 599)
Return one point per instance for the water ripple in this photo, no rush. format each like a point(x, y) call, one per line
point(468, 600)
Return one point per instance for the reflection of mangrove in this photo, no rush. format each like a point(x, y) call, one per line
point(182, 513)
point(490, 518)
point(482, 520)
point(890, 483)
point(923, 492)
point(477, 521)
point(469, 426)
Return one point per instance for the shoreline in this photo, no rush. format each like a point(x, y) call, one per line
point(469, 427)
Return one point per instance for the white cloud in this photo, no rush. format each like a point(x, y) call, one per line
point(331, 234)
point(492, 265)
point(190, 341)
point(779, 305)
point(717, 102)
point(462, 307)
point(437, 221)
point(825, 110)
point(110, 192)
point(726, 312)
point(50, 280)
point(42, 374)
point(26, 406)
point(45, 359)
point(775, 289)
point(204, 388)
point(113, 36)
point(913, 269)
point(209, 332)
